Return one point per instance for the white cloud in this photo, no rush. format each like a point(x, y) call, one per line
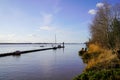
point(56, 6)
point(92, 11)
point(46, 28)
point(58, 9)
point(7, 37)
point(47, 21)
point(12, 38)
point(99, 5)
point(47, 18)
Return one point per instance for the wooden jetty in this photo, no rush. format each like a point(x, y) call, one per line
point(27, 51)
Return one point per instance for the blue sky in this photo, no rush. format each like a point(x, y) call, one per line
point(39, 20)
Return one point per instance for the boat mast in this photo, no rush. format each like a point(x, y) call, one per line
point(55, 40)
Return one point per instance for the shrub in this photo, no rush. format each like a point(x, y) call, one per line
point(111, 74)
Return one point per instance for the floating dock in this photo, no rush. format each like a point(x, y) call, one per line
point(27, 51)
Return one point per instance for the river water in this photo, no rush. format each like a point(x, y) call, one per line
point(60, 64)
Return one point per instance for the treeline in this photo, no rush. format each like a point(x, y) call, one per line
point(105, 28)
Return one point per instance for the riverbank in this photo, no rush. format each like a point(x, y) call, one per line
point(102, 64)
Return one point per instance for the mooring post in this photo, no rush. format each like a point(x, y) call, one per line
point(63, 44)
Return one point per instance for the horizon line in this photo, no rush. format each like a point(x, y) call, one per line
point(44, 43)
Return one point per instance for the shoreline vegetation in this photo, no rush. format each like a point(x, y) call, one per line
point(102, 64)
point(102, 54)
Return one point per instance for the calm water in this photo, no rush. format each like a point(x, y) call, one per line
point(60, 64)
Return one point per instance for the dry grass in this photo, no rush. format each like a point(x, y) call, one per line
point(102, 64)
point(104, 57)
point(94, 48)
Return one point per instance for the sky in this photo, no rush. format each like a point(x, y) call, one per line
point(40, 20)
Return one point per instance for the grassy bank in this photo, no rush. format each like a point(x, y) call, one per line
point(105, 74)
point(102, 64)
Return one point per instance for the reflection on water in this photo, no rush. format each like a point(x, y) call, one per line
point(60, 64)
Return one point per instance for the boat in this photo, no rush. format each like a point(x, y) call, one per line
point(17, 52)
point(41, 46)
point(54, 48)
point(59, 46)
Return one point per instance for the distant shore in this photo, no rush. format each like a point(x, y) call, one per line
point(40, 43)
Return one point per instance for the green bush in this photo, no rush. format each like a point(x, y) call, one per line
point(112, 74)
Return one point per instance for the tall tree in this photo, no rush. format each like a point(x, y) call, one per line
point(105, 29)
point(99, 28)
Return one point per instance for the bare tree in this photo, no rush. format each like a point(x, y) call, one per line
point(105, 29)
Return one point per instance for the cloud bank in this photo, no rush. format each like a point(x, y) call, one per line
point(99, 5)
point(93, 11)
